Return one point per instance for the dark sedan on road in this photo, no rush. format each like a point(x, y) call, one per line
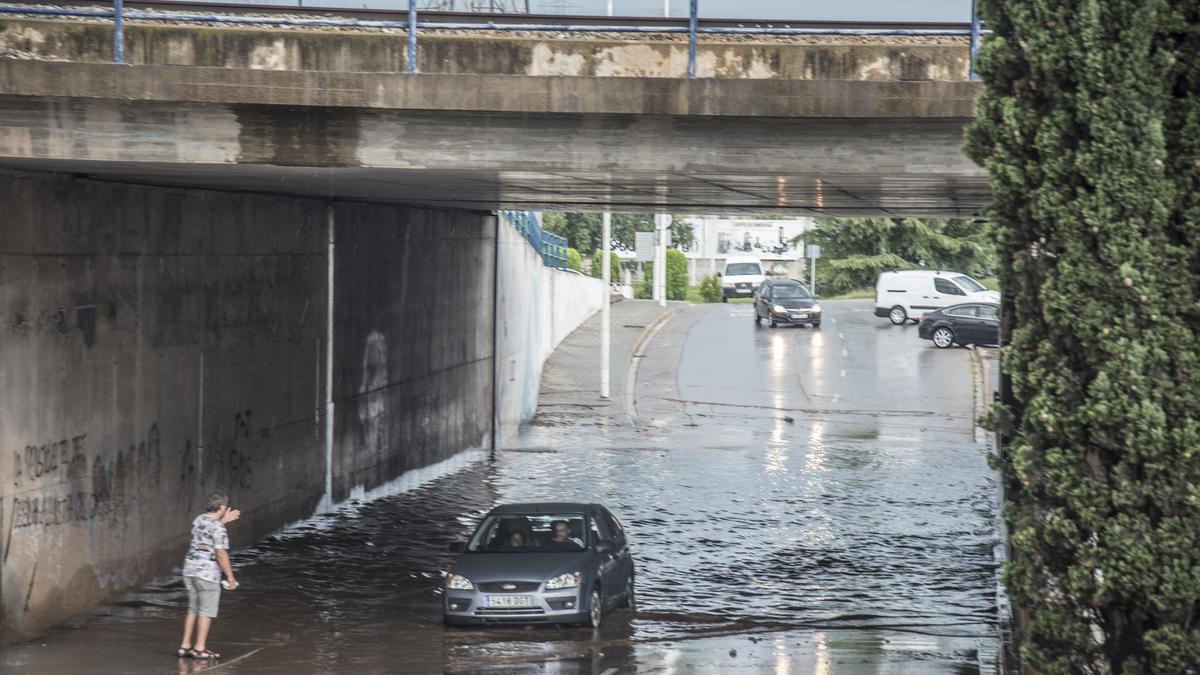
point(541, 563)
point(785, 301)
point(975, 323)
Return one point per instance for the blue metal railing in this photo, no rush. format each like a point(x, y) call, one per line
point(550, 246)
point(411, 25)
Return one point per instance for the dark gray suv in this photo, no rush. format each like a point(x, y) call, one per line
point(541, 563)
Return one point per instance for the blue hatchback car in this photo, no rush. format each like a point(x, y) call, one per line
point(541, 563)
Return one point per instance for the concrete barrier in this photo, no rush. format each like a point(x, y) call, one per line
point(587, 55)
point(532, 319)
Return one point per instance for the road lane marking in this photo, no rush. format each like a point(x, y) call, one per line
point(845, 352)
point(843, 373)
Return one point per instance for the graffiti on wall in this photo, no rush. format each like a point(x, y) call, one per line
point(63, 481)
point(372, 405)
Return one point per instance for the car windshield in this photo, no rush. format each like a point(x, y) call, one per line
point(789, 291)
point(743, 269)
point(969, 284)
point(524, 533)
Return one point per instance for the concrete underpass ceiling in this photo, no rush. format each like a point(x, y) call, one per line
point(931, 195)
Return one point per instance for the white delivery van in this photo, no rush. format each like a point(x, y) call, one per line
point(741, 276)
point(904, 295)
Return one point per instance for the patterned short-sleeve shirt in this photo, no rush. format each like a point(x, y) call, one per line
point(208, 535)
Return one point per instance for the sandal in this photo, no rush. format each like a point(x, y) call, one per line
point(203, 654)
point(183, 652)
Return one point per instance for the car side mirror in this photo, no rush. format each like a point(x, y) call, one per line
point(718, 275)
point(458, 547)
point(605, 547)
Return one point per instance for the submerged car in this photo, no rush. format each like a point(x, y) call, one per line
point(786, 301)
point(541, 563)
point(974, 323)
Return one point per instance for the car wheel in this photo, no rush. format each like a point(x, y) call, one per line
point(595, 609)
point(724, 299)
point(773, 324)
point(757, 318)
point(898, 315)
point(817, 324)
point(630, 600)
point(943, 337)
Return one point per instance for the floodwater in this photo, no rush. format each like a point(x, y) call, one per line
point(797, 500)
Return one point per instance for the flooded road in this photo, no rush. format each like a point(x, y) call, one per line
point(797, 500)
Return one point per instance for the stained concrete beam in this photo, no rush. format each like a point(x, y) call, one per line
point(494, 93)
point(844, 148)
point(888, 58)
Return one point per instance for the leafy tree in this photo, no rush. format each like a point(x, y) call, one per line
point(614, 266)
point(1089, 129)
point(626, 224)
point(676, 277)
point(574, 260)
point(584, 231)
point(855, 250)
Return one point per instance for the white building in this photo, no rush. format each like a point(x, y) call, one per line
point(771, 241)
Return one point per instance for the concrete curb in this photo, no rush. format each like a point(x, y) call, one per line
point(635, 355)
point(983, 393)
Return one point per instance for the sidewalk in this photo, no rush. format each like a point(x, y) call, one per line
point(570, 388)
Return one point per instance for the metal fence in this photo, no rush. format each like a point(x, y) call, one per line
point(412, 25)
point(550, 246)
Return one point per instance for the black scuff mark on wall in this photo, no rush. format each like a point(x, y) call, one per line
point(85, 321)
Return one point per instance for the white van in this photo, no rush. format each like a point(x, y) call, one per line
point(741, 277)
point(903, 295)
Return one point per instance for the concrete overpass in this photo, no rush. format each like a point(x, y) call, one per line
point(283, 277)
point(803, 127)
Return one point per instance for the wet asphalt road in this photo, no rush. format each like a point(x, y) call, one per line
point(798, 501)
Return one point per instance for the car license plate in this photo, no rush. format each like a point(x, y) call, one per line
point(509, 601)
point(801, 315)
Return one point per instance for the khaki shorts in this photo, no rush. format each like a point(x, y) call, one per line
point(203, 596)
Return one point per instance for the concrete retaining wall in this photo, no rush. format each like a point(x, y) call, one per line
point(413, 329)
point(889, 59)
point(157, 344)
point(539, 307)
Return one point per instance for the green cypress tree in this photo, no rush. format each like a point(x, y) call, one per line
point(1089, 133)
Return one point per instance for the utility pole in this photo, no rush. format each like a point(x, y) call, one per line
point(606, 306)
point(605, 309)
point(662, 222)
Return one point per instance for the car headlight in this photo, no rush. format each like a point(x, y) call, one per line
point(815, 308)
point(570, 580)
point(779, 309)
point(458, 583)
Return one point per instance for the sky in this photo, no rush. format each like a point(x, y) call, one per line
point(829, 10)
